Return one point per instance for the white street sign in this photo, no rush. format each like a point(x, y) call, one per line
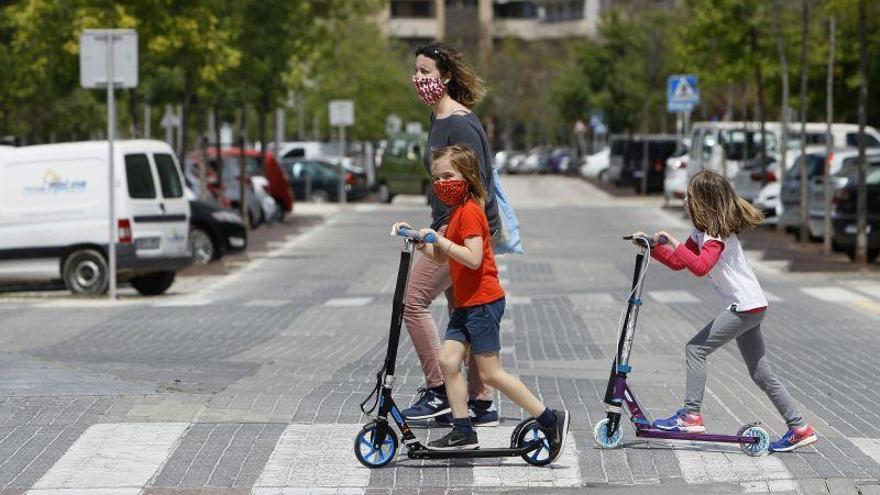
point(93, 58)
point(341, 113)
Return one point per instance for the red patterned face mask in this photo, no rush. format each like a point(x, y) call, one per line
point(451, 192)
point(430, 89)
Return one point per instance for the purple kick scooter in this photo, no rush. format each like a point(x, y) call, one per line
point(752, 438)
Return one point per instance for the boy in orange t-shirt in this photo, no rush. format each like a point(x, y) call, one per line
point(479, 302)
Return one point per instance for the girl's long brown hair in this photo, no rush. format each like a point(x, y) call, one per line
point(464, 85)
point(716, 209)
point(464, 161)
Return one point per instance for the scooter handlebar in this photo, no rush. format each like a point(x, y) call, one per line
point(647, 239)
point(414, 235)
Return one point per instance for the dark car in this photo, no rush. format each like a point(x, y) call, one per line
point(659, 147)
point(318, 181)
point(214, 231)
point(844, 212)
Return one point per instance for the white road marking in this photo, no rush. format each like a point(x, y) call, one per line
point(513, 471)
point(872, 290)
point(754, 474)
point(183, 302)
point(308, 458)
point(518, 300)
point(117, 458)
point(673, 296)
point(773, 297)
point(832, 294)
point(870, 446)
point(349, 301)
point(267, 303)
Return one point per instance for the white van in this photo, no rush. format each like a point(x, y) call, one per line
point(726, 146)
point(54, 215)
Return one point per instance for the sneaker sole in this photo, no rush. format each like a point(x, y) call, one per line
point(472, 446)
point(440, 412)
point(564, 436)
point(810, 440)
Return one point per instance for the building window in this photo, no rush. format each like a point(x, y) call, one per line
point(515, 10)
point(567, 10)
point(412, 8)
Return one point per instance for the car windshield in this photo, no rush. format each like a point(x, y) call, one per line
point(815, 167)
point(742, 144)
point(850, 168)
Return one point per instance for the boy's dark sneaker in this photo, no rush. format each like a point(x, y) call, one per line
point(794, 438)
point(480, 415)
point(558, 434)
point(456, 440)
point(430, 404)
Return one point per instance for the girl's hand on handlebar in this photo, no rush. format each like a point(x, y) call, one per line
point(636, 236)
point(669, 239)
point(423, 233)
point(395, 229)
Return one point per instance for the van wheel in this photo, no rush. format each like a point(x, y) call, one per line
point(153, 284)
point(85, 272)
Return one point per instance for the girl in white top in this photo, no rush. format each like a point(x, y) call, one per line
point(713, 250)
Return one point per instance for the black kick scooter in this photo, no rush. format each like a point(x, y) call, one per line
point(376, 444)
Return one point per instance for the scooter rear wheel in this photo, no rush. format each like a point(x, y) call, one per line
point(370, 456)
point(603, 441)
point(531, 431)
point(759, 448)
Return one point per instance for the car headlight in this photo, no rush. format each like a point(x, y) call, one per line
point(226, 216)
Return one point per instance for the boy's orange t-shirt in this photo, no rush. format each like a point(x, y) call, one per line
point(472, 287)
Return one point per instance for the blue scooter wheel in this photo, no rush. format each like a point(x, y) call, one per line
point(532, 432)
point(755, 449)
point(368, 454)
point(603, 441)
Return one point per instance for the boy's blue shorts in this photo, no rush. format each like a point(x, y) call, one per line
point(479, 326)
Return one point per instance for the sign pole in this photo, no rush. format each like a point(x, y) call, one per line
point(342, 165)
point(111, 135)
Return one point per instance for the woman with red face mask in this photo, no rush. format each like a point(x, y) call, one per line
point(446, 84)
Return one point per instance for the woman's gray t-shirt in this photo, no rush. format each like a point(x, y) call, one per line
point(463, 130)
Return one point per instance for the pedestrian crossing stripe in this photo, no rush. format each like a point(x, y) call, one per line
point(122, 459)
point(673, 296)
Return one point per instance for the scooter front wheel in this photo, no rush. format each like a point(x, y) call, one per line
point(755, 449)
point(368, 453)
point(603, 440)
point(531, 432)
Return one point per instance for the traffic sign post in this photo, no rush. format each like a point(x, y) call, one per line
point(342, 116)
point(108, 58)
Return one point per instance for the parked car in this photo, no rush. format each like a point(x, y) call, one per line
point(595, 166)
point(537, 161)
point(768, 202)
point(845, 158)
point(214, 231)
point(318, 181)
point(626, 165)
point(54, 215)
point(504, 160)
point(258, 210)
point(844, 212)
point(403, 169)
point(675, 180)
point(229, 169)
point(515, 162)
point(757, 172)
point(560, 161)
point(727, 146)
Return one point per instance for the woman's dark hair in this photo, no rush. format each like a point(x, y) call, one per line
point(464, 85)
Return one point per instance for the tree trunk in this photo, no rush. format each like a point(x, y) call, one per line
point(262, 115)
point(805, 26)
point(862, 204)
point(829, 111)
point(783, 118)
point(184, 114)
point(759, 82)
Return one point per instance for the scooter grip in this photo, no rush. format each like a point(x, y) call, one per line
point(412, 234)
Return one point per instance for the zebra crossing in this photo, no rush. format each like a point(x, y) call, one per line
point(126, 458)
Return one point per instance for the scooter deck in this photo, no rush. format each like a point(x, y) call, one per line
point(694, 437)
point(426, 453)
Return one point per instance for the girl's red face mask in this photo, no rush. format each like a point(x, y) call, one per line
point(451, 192)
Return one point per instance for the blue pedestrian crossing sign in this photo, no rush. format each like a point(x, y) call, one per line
point(682, 93)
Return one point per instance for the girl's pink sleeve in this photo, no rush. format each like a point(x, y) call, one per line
point(666, 255)
point(699, 261)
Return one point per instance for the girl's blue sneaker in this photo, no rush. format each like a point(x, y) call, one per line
point(682, 421)
point(794, 438)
